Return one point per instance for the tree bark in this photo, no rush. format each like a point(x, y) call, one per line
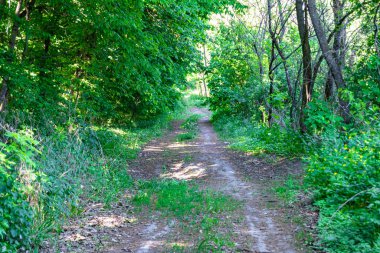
point(271, 68)
point(271, 86)
point(332, 63)
point(329, 86)
point(307, 84)
point(260, 59)
point(12, 43)
point(340, 36)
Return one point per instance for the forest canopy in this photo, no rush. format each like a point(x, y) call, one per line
point(106, 60)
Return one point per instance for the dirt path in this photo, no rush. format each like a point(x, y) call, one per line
point(266, 234)
point(206, 160)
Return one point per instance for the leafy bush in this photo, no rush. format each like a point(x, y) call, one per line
point(258, 138)
point(193, 100)
point(345, 176)
point(40, 188)
point(16, 175)
point(321, 119)
point(191, 127)
point(16, 215)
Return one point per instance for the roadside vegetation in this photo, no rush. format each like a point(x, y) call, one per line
point(289, 88)
point(57, 174)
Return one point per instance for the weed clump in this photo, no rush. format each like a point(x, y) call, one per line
point(199, 209)
point(190, 125)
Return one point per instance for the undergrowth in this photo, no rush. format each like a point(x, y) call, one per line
point(48, 176)
point(288, 190)
point(194, 100)
point(248, 136)
point(190, 125)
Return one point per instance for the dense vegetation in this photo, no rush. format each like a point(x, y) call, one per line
point(84, 84)
point(302, 79)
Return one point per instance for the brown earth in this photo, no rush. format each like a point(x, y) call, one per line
point(260, 225)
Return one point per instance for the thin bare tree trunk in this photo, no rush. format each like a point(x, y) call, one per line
point(204, 72)
point(275, 42)
point(329, 86)
point(271, 85)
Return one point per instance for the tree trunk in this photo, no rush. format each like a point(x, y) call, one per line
point(329, 87)
point(271, 86)
point(276, 44)
point(307, 84)
point(376, 31)
point(339, 51)
point(12, 43)
point(332, 63)
point(260, 59)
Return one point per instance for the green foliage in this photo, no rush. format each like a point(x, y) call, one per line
point(289, 190)
point(15, 183)
point(256, 138)
point(193, 100)
point(106, 60)
point(188, 203)
point(190, 125)
point(16, 215)
point(345, 176)
point(181, 198)
point(321, 119)
point(364, 91)
point(41, 187)
point(255, 84)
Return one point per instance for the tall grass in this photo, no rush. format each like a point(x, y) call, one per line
point(56, 171)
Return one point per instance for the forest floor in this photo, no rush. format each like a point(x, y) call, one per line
point(257, 224)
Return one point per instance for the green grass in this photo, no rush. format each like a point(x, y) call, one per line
point(180, 198)
point(288, 190)
point(88, 164)
point(245, 135)
point(190, 125)
point(198, 209)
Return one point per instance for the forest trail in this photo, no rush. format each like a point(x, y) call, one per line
point(255, 227)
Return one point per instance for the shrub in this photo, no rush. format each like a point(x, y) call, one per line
point(190, 125)
point(346, 179)
point(16, 166)
point(258, 138)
